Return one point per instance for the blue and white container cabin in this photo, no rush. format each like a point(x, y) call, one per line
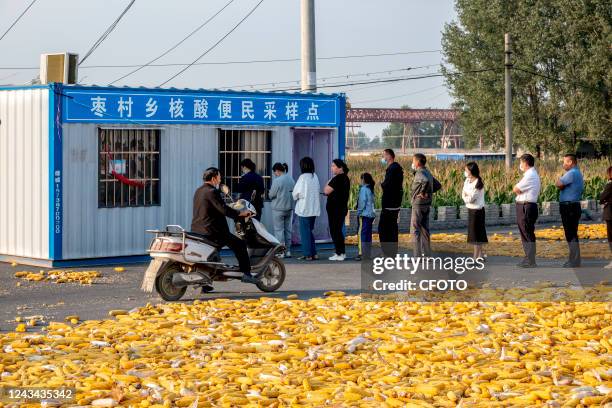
point(85, 170)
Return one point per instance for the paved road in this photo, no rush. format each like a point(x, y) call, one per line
point(121, 290)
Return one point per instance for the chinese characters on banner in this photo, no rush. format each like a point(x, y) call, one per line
point(121, 106)
point(57, 202)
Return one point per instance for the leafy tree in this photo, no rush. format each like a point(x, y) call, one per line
point(390, 135)
point(360, 140)
point(561, 77)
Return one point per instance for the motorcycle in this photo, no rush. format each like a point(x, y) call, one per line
point(182, 258)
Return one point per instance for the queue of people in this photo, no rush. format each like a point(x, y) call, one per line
point(302, 197)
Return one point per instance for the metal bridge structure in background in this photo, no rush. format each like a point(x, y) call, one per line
point(411, 118)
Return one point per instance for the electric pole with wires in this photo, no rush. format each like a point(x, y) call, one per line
point(309, 55)
point(508, 101)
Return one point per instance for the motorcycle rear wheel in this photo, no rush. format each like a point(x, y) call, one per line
point(272, 277)
point(164, 286)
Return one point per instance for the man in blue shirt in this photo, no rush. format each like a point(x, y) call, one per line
point(571, 185)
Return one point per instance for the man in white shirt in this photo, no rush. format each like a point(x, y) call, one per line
point(527, 191)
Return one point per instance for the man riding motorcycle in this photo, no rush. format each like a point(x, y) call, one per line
point(209, 212)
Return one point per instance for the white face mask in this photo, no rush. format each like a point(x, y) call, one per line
point(383, 161)
point(413, 166)
point(466, 174)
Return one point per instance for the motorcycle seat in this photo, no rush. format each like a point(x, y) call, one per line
point(202, 238)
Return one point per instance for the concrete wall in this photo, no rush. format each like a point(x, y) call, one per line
point(24, 172)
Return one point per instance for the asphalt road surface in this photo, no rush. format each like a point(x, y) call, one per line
point(121, 290)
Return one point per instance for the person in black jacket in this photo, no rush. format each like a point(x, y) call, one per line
point(251, 186)
point(392, 195)
point(337, 191)
point(209, 212)
point(606, 199)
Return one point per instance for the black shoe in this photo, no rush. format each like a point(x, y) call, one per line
point(248, 279)
point(207, 288)
point(527, 264)
point(569, 264)
point(357, 258)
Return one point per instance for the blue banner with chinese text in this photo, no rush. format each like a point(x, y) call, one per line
point(107, 105)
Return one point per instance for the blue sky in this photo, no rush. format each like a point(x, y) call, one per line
point(343, 27)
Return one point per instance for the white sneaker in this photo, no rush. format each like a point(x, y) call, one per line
point(337, 257)
point(608, 266)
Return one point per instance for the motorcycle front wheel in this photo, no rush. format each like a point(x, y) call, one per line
point(272, 277)
point(164, 286)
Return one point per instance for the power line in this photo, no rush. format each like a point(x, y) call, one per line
point(17, 19)
point(340, 84)
point(396, 79)
point(214, 45)
point(237, 62)
point(398, 96)
point(556, 79)
point(106, 33)
point(175, 45)
point(329, 77)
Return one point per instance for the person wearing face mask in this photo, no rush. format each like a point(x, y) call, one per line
point(527, 191)
point(282, 206)
point(209, 212)
point(251, 186)
point(571, 185)
point(473, 196)
point(424, 185)
point(605, 198)
point(391, 201)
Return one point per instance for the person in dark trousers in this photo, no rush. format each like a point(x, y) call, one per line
point(251, 186)
point(282, 206)
point(209, 212)
point(527, 191)
point(337, 191)
point(473, 195)
point(392, 195)
point(366, 215)
point(571, 185)
point(424, 185)
point(606, 200)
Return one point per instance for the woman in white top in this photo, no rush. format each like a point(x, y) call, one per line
point(306, 193)
point(473, 196)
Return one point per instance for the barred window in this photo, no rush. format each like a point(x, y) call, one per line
point(128, 168)
point(236, 145)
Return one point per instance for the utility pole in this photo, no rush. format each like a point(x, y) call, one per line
point(309, 56)
point(508, 83)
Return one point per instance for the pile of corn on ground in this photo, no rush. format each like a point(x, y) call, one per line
point(334, 351)
point(551, 243)
point(62, 276)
